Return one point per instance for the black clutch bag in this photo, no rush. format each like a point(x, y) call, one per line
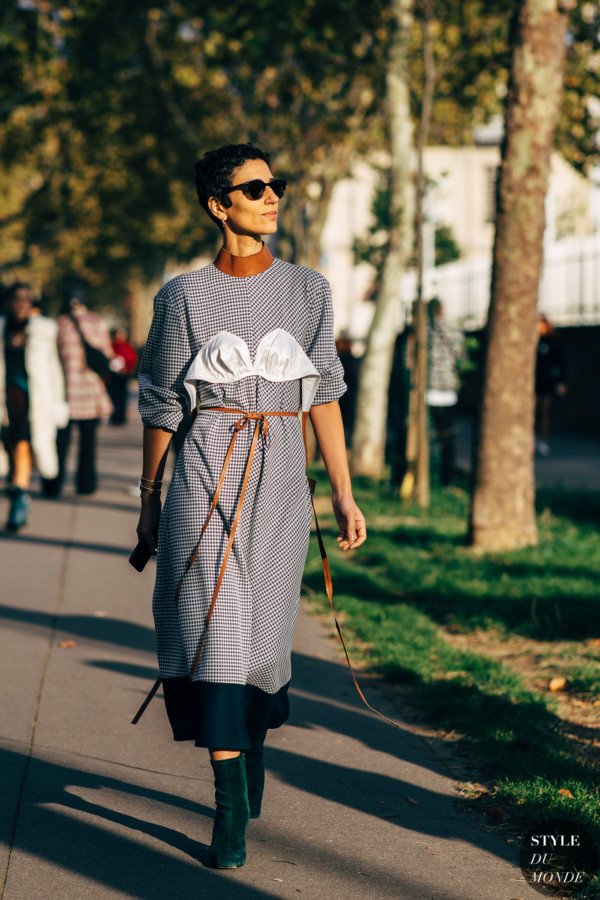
point(141, 553)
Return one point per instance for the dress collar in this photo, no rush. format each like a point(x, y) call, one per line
point(244, 265)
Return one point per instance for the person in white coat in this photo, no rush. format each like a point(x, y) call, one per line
point(33, 401)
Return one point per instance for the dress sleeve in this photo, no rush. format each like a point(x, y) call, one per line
point(321, 348)
point(165, 360)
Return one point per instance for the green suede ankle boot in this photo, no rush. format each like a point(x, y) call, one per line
point(228, 845)
point(255, 775)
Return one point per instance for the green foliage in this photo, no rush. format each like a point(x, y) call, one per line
point(125, 112)
point(100, 126)
point(446, 247)
point(577, 132)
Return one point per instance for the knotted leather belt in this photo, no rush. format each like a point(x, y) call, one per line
point(262, 427)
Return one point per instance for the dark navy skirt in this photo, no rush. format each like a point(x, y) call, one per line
point(223, 716)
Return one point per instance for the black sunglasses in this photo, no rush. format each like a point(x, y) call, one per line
point(254, 189)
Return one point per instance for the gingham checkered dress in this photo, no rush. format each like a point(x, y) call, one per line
point(240, 685)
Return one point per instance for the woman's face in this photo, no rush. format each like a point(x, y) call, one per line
point(246, 216)
point(20, 304)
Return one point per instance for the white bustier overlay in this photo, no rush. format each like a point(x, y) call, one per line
point(225, 357)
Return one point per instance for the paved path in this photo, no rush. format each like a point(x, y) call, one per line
point(574, 463)
point(95, 808)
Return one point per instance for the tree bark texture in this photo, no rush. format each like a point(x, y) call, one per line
point(503, 512)
point(368, 443)
point(138, 307)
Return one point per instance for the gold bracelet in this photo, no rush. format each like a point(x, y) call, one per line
point(151, 480)
point(148, 490)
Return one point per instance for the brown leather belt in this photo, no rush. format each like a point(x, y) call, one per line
point(262, 427)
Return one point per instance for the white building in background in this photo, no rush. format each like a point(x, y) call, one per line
point(462, 197)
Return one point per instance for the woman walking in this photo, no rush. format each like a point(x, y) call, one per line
point(33, 405)
point(246, 343)
point(89, 401)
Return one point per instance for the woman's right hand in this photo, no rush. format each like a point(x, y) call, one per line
point(147, 528)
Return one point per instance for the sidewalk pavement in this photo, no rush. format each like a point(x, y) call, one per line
point(96, 808)
point(573, 464)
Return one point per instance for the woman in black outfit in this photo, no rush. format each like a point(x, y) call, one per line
point(16, 433)
point(32, 399)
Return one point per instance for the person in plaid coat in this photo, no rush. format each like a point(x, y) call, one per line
point(87, 396)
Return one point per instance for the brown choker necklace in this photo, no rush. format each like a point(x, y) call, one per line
point(242, 266)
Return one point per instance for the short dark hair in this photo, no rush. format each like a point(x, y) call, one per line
point(215, 169)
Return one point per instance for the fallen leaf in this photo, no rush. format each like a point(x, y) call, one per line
point(66, 645)
point(557, 684)
point(410, 800)
point(565, 792)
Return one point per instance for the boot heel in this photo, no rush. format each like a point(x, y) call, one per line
point(228, 845)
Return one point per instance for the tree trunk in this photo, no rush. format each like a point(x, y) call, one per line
point(316, 216)
point(137, 303)
point(416, 480)
point(368, 444)
point(503, 512)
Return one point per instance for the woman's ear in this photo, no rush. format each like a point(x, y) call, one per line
point(217, 209)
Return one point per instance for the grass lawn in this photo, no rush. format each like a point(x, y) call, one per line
point(500, 649)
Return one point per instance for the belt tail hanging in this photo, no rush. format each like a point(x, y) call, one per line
point(329, 586)
point(146, 702)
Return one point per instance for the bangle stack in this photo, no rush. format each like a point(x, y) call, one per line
point(150, 485)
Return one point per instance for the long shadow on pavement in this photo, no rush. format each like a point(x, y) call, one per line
point(118, 632)
point(112, 549)
point(53, 830)
point(56, 832)
point(322, 697)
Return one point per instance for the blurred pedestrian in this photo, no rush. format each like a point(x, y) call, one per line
point(32, 403)
point(125, 366)
point(88, 398)
point(446, 348)
point(549, 381)
point(350, 364)
point(397, 411)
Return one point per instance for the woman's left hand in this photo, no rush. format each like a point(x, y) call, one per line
point(351, 522)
